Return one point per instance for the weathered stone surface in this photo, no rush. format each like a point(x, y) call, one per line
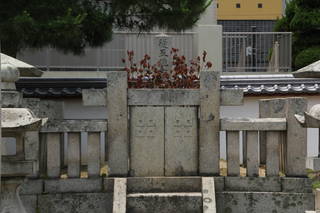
point(120, 195)
point(313, 163)
point(233, 158)
point(275, 202)
point(164, 184)
point(74, 156)
point(33, 104)
point(317, 199)
point(16, 168)
point(75, 202)
point(31, 187)
point(253, 184)
point(296, 185)
point(93, 154)
point(30, 203)
point(208, 195)
point(171, 97)
point(75, 126)
point(273, 139)
point(71, 185)
point(11, 99)
point(31, 145)
point(233, 124)
point(147, 141)
point(94, 97)
point(296, 138)
point(51, 109)
point(252, 153)
point(209, 142)
point(117, 135)
point(181, 141)
point(53, 154)
point(164, 202)
point(231, 97)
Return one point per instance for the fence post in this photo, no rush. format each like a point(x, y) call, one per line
point(209, 148)
point(296, 138)
point(117, 133)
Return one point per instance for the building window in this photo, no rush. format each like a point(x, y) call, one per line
point(238, 5)
point(260, 5)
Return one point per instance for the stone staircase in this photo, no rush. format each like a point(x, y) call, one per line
point(163, 195)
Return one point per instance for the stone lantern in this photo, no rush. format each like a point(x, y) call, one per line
point(16, 122)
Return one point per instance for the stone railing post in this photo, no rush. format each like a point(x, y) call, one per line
point(117, 133)
point(209, 149)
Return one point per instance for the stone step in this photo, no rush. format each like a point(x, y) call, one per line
point(178, 202)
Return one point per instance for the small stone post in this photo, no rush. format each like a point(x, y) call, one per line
point(209, 149)
point(117, 133)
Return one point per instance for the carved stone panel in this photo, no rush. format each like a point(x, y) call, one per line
point(147, 141)
point(181, 141)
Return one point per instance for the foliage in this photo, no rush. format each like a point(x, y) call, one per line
point(181, 75)
point(315, 177)
point(302, 17)
point(307, 56)
point(71, 25)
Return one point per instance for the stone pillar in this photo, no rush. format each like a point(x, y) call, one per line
point(117, 133)
point(209, 149)
point(296, 138)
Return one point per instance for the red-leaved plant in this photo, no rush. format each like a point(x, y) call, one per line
point(181, 74)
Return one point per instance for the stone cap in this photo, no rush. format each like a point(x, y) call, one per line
point(310, 119)
point(26, 70)
point(310, 71)
point(20, 118)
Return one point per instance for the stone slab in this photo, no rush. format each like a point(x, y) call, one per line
point(53, 154)
point(17, 168)
point(31, 187)
point(273, 202)
point(273, 139)
point(258, 124)
point(120, 195)
point(11, 99)
point(231, 97)
point(181, 141)
point(73, 185)
point(31, 145)
point(147, 141)
point(253, 184)
point(94, 97)
point(93, 157)
point(252, 154)
point(75, 126)
point(164, 202)
point(74, 155)
point(165, 97)
point(180, 97)
point(164, 184)
point(117, 134)
point(75, 202)
point(209, 132)
point(53, 110)
point(296, 185)
point(208, 195)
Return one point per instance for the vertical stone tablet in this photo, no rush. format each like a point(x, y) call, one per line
point(147, 141)
point(233, 158)
point(252, 153)
point(53, 155)
point(273, 153)
point(181, 141)
point(296, 138)
point(117, 134)
point(93, 154)
point(208, 195)
point(73, 155)
point(209, 123)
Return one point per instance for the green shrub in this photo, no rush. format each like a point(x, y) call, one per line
point(307, 56)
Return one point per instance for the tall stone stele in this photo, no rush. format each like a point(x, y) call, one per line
point(15, 123)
